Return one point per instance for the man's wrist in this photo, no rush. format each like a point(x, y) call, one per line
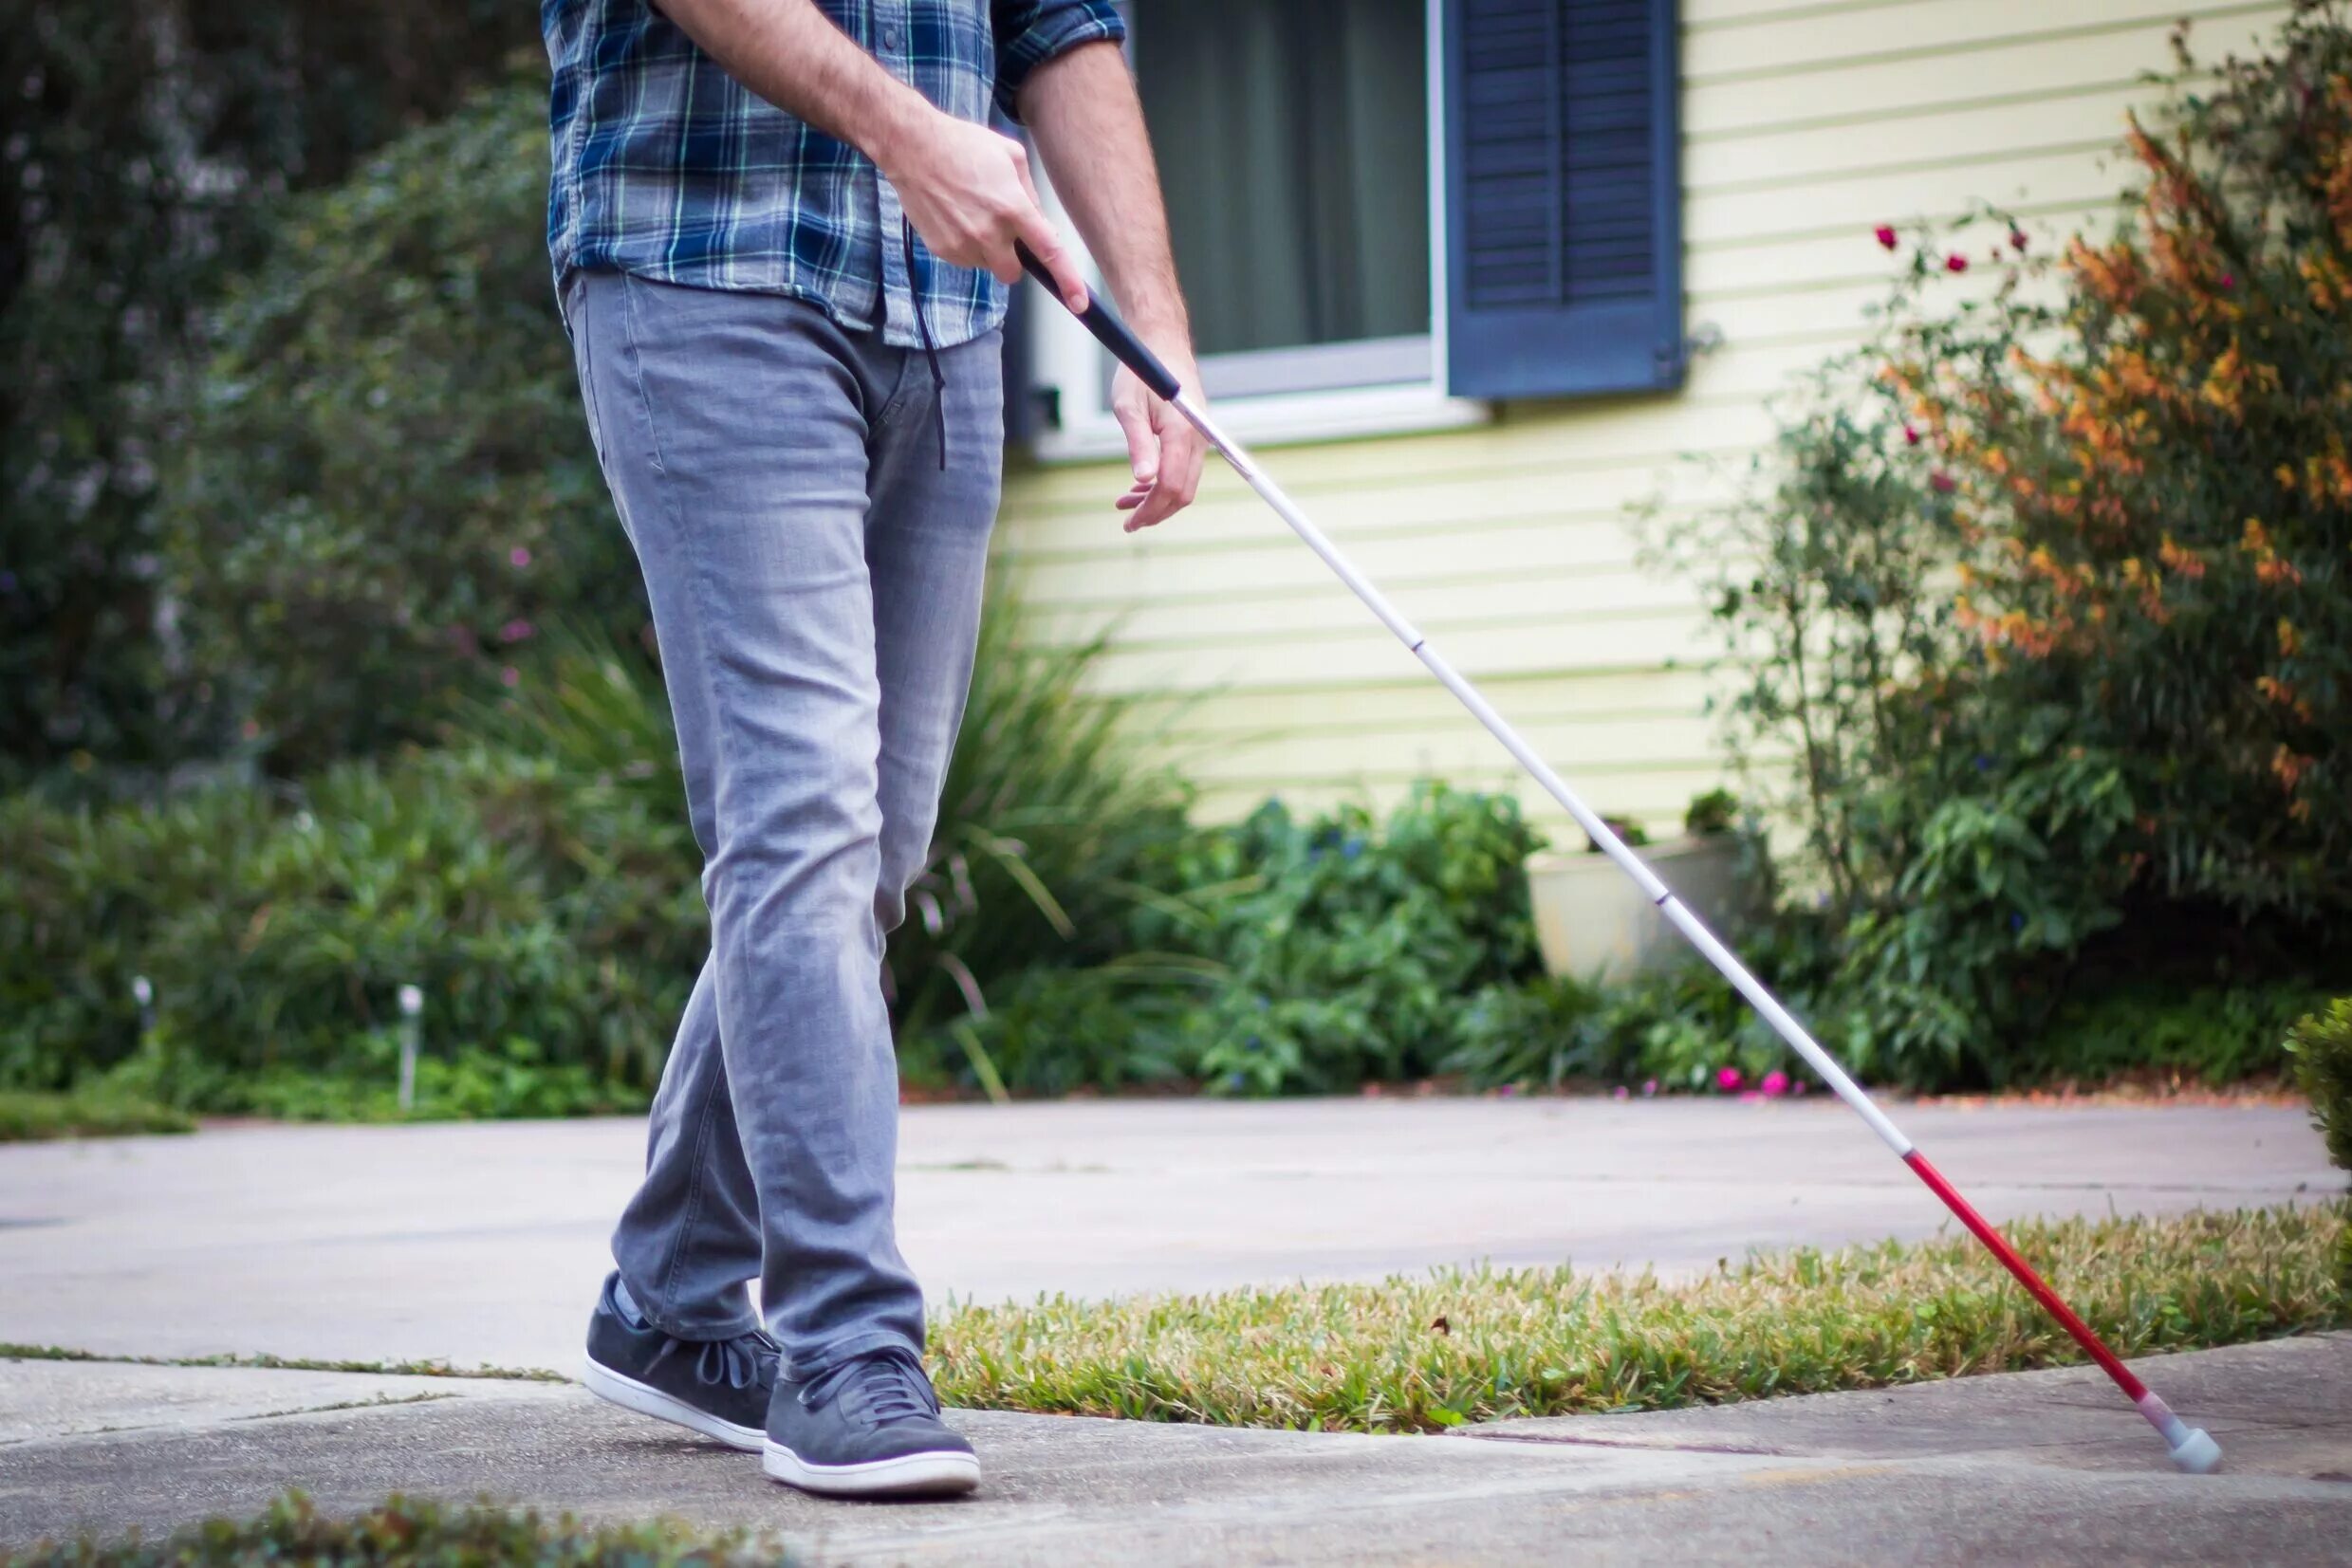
point(1167, 329)
point(901, 128)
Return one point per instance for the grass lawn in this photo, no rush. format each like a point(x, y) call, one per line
point(26, 1117)
point(411, 1531)
point(1423, 1354)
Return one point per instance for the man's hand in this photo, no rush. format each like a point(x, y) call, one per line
point(967, 190)
point(1162, 446)
point(1082, 110)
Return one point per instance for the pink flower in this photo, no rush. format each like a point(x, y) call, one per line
point(1886, 236)
point(1911, 436)
point(2229, 280)
point(2017, 239)
point(1649, 1087)
point(510, 677)
point(1619, 1091)
point(1943, 484)
point(1510, 1090)
point(514, 631)
point(519, 557)
point(1956, 262)
point(1775, 1084)
point(1728, 1079)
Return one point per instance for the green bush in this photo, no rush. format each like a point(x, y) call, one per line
point(2322, 1049)
point(2217, 1034)
point(544, 896)
point(2050, 596)
point(1051, 812)
point(26, 1117)
point(276, 931)
point(1281, 956)
point(148, 151)
point(388, 485)
point(411, 1533)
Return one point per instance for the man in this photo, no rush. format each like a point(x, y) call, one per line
point(782, 235)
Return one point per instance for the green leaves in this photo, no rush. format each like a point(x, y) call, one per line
point(388, 487)
point(2322, 1049)
point(2034, 611)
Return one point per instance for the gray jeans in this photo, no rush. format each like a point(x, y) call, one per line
point(816, 584)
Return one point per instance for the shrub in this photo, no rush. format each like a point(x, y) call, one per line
point(2322, 1047)
point(388, 485)
point(26, 1117)
point(1280, 956)
point(148, 148)
point(2050, 596)
point(1051, 811)
point(2217, 1034)
point(543, 896)
point(276, 929)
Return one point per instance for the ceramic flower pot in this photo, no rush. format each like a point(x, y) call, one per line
point(1593, 923)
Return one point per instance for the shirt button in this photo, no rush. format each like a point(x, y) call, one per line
point(890, 37)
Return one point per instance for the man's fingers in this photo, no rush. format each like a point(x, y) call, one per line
point(1180, 455)
point(1043, 239)
point(1143, 442)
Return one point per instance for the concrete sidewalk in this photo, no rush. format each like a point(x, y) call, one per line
point(2046, 1468)
point(483, 1244)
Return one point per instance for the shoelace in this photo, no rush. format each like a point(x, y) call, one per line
point(922, 327)
point(886, 1387)
point(736, 1362)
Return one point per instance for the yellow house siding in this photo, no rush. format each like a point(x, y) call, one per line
point(1804, 127)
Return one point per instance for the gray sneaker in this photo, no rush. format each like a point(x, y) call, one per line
point(719, 1388)
point(867, 1428)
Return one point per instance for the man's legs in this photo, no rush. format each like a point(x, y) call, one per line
point(817, 644)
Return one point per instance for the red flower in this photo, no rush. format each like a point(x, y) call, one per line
point(1886, 236)
point(1911, 436)
point(2229, 280)
point(2017, 239)
point(1956, 262)
point(1943, 484)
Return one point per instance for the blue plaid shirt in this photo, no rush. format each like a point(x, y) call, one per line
point(667, 168)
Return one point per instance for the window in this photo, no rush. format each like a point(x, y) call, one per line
point(1384, 207)
point(1293, 146)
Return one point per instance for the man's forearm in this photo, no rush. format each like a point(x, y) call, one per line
point(792, 55)
point(1083, 111)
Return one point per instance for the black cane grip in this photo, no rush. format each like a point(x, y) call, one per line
point(1109, 330)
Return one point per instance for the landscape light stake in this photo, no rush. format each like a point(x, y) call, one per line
point(2192, 1448)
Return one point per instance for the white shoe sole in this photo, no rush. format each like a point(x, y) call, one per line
point(944, 1474)
point(630, 1394)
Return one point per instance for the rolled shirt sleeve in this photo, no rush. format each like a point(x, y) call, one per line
point(1030, 32)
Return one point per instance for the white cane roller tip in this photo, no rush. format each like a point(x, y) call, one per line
point(2198, 1453)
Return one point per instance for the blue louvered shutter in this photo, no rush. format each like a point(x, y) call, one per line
point(1563, 238)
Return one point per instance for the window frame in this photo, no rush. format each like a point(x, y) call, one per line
point(1361, 387)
